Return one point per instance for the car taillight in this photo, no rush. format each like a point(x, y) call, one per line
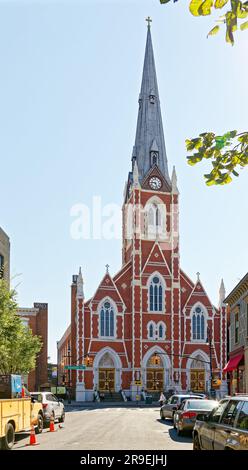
point(189, 414)
point(44, 405)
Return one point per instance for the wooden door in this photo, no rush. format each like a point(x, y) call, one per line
point(155, 380)
point(107, 380)
point(197, 380)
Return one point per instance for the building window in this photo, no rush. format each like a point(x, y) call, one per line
point(151, 330)
point(154, 158)
point(1, 266)
point(156, 292)
point(161, 330)
point(198, 325)
point(155, 219)
point(107, 320)
point(236, 326)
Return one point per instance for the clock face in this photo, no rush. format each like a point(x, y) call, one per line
point(155, 183)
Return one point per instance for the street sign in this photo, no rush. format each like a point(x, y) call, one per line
point(138, 382)
point(79, 367)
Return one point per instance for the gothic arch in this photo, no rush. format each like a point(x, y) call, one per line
point(155, 218)
point(99, 308)
point(205, 365)
point(203, 313)
point(117, 366)
point(149, 282)
point(166, 364)
point(149, 324)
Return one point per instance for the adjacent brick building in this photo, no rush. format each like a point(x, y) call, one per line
point(64, 357)
point(4, 256)
point(37, 319)
point(237, 366)
point(146, 327)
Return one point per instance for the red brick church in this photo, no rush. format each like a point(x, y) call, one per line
point(149, 327)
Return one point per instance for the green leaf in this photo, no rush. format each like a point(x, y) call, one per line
point(213, 31)
point(235, 173)
point(244, 26)
point(220, 3)
point(210, 182)
point(164, 1)
point(220, 142)
point(194, 7)
point(205, 8)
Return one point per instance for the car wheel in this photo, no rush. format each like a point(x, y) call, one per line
point(9, 438)
point(179, 432)
point(162, 415)
point(62, 418)
point(196, 442)
point(40, 424)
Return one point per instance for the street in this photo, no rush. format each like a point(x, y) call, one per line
point(133, 428)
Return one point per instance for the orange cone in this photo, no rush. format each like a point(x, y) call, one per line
point(52, 428)
point(32, 440)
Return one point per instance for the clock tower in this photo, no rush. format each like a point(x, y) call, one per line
point(150, 217)
point(145, 327)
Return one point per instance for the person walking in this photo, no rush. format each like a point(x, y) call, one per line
point(161, 399)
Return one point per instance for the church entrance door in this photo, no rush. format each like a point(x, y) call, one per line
point(197, 380)
point(106, 380)
point(155, 380)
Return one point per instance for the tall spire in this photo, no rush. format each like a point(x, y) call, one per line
point(149, 134)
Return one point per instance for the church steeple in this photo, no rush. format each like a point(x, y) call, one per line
point(149, 146)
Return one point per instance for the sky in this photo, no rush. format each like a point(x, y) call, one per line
point(69, 85)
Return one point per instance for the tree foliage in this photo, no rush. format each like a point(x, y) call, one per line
point(233, 17)
point(228, 153)
point(18, 346)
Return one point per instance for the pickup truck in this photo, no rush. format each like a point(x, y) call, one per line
point(16, 415)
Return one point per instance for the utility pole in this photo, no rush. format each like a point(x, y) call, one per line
point(209, 341)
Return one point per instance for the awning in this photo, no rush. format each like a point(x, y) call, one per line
point(233, 363)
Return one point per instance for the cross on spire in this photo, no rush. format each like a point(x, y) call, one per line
point(107, 268)
point(149, 21)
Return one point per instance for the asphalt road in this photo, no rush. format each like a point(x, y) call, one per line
point(109, 429)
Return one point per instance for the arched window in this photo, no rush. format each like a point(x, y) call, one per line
point(107, 320)
point(198, 324)
point(161, 330)
point(155, 219)
point(151, 330)
point(156, 293)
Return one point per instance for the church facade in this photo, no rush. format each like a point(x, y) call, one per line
point(149, 327)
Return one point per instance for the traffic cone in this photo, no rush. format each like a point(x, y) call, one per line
point(32, 440)
point(52, 428)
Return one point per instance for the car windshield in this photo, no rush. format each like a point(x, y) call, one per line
point(36, 396)
point(201, 404)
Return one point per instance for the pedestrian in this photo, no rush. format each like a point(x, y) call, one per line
point(161, 399)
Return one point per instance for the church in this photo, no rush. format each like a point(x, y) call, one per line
point(149, 328)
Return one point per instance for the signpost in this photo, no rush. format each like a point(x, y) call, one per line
point(79, 367)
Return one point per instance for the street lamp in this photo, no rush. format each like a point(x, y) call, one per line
point(209, 342)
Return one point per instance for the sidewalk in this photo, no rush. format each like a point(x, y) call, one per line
point(108, 404)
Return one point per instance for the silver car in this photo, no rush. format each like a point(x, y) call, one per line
point(51, 406)
point(172, 404)
point(186, 415)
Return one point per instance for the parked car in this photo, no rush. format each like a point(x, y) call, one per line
point(51, 406)
point(172, 404)
point(225, 428)
point(186, 415)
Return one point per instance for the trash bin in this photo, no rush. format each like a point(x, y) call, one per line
point(148, 399)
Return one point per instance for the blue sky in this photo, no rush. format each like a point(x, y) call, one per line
point(69, 85)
